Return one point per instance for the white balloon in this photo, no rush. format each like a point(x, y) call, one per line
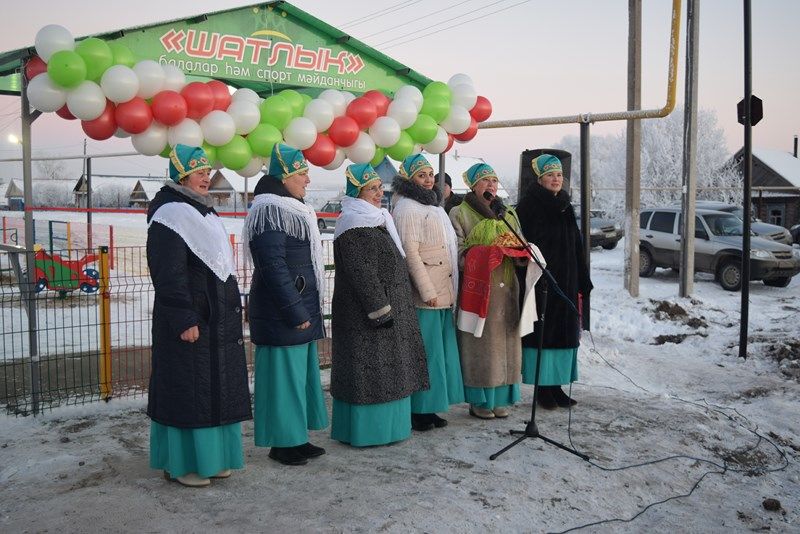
point(218, 128)
point(417, 149)
point(87, 101)
point(51, 39)
point(248, 95)
point(465, 96)
point(245, 114)
point(385, 132)
point(404, 111)
point(119, 83)
point(457, 121)
point(122, 134)
point(439, 143)
point(300, 133)
point(187, 132)
point(348, 97)
point(252, 168)
point(174, 78)
point(363, 150)
point(336, 100)
point(320, 112)
point(45, 95)
point(458, 79)
point(151, 77)
point(412, 93)
point(151, 141)
point(338, 159)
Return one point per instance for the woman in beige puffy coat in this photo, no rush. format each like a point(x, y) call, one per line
point(432, 258)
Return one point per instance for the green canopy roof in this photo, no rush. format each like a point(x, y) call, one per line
point(266, 47)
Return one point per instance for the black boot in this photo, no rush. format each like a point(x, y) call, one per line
point(310, 451)
point(545, 399)
point(287, 456)
point(421, 422)
point(437, 421)
point(562, 399)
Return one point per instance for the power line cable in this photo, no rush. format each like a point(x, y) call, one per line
point(425, 15)
point(455, 25)
point(380, 13)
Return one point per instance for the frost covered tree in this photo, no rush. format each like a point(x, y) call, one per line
point(662, 163)
point(50, 169)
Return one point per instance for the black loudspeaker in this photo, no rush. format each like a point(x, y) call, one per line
point(526, 172)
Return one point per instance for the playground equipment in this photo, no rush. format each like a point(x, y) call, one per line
point(57, 274)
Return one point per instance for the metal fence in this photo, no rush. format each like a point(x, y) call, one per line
point(82, 331)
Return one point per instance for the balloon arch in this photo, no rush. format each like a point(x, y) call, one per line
point(103, 85)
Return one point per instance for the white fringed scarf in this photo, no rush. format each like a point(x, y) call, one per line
point(205, 236)
point(411, 215)
point(358, 213)
point(288, 215)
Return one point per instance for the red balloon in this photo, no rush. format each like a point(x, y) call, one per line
point(469, 133)
point(322, 152)
point(449, 142)
point(34, 67)
point(103, 126)
point(222, 97)
point(343, 131)
point(481, 110)
point(199, 99)
point(134, 116)
point(380, 100)
point(363, 111)
point(64, 113)
point(169, 108)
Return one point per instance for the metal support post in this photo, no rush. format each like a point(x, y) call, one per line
point(586, 205)
point(633, 149)
point(105, 326)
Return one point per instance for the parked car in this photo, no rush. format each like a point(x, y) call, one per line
point(604, 232)
point(795, 231)
point(762, 229)
point(718, 248)
point(327, 215)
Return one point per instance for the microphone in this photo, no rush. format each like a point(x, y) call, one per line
point(496, 205)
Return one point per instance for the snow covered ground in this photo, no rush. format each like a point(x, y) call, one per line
point(729, 425)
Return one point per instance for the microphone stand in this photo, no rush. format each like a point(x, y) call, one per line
point(531, 430)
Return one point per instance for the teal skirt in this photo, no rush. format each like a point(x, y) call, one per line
point(558, 367)
point(288, 395)
point(365, 425)
point(205, 451)
point(444, 365)
point(491, 398)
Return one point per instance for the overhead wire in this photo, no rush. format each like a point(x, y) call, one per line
point(485, 15)
point(402, 24)
point(380, 13)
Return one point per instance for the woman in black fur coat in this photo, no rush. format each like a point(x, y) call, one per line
point(547, 219)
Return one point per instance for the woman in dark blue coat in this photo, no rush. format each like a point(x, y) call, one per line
point(198, 392)
point(286, 310)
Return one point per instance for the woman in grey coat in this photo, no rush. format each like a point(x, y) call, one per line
point(378, 356)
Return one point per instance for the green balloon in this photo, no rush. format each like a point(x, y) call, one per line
point(97, 55)
point(277, 111)
point(438, 89)
point(436, 107)
point(306, 100)
point(121, 54)
point(424, 129)
point(296, 100)
point(166, 152)
point(263, 138)
point(66, 68)
point(379, 155)
point(402, 148)
point(236, 154)
point(211, 153)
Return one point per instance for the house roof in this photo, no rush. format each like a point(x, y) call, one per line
point(783, 163)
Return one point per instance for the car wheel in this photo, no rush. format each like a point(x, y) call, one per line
point(610, 246)
point(778, 282)
point(729, 275)
point(321, 224)
point(647, 265)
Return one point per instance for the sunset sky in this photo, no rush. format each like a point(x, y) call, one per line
point(531, 58)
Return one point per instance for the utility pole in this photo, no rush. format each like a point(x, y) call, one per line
point(633, 149)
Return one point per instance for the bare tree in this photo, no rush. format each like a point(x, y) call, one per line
point(51, 169)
